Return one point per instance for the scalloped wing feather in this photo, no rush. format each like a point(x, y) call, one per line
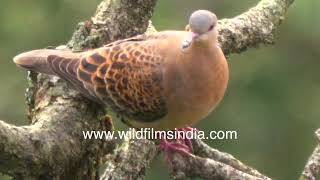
point(126, 75)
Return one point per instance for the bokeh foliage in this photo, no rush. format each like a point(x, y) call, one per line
point(273, 98)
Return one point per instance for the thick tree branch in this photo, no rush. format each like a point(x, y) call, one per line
point(254, 27)
point(53, 146)
point(130, 160)
point(46, 148)
point(114, 19)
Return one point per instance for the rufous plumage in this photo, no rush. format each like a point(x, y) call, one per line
point(163, 80)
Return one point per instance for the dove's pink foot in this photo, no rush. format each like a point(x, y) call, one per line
point(182, 146)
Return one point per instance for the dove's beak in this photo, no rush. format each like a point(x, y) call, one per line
point(189, 39)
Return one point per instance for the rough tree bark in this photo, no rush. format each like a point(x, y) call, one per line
point(52, 146)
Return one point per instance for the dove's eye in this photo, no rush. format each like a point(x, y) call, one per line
point(211, 27)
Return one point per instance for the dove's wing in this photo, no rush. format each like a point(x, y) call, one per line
point(126, 75)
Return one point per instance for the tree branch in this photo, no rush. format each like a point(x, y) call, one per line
point(250, 29)
point(45, 149)
point(312, 167)
point(113, 20)
point(197, 167)
point(130, 160)
point(203, 150)
point(254, 27)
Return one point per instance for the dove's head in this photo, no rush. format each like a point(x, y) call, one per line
point(202, 28)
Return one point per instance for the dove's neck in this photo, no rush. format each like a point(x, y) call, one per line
point(198, 81)
point(214, 36)
point(206, 40)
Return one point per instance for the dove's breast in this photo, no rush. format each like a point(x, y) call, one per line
point(194, 84)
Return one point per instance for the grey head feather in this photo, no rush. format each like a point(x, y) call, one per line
point(202, 21)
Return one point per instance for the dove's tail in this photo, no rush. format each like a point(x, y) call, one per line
point(37, 60)
point(61, 63)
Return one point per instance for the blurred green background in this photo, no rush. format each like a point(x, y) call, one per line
point(273, 98)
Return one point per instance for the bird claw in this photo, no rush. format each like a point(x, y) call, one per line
point(181, 146)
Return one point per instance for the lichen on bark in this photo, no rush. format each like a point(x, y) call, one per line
point(52, 147)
